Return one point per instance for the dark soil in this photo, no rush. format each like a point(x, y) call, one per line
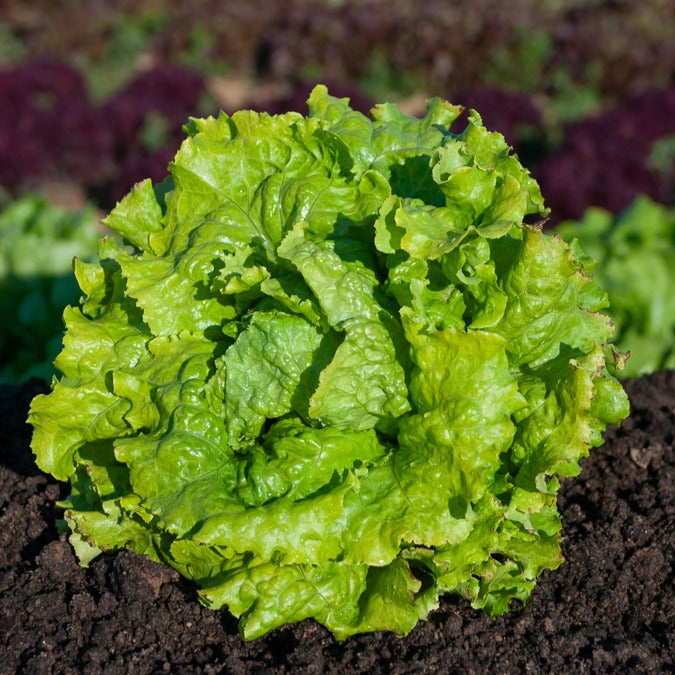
point(609, 608)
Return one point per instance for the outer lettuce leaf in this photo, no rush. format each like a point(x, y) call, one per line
point(547, 301)
point(69, 417)
point(332, 374)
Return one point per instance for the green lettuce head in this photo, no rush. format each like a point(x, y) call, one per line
point(332, 374)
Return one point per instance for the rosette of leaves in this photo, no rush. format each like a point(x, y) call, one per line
point(38, 242)
point(337, 377)
point(632, 256)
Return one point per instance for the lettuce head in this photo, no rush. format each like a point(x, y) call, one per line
point(334, 370)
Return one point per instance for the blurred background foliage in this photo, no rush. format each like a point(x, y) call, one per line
point(577, 53)
point(94, 94)
point(120, 78)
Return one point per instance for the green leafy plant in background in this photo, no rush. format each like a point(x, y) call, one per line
point(38, 242)
point(337, 377)
point(662, 156)
point(632, 256)
point(523, 61)
point(127, 37)
point(12, 49)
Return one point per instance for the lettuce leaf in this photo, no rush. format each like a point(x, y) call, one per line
point(336, 375)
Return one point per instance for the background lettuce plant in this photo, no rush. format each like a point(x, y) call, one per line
point(337, 376)
point(37, 244)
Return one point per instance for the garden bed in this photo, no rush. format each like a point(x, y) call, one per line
point(607, 608)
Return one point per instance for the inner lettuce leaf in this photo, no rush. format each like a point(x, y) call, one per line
point(333, 372)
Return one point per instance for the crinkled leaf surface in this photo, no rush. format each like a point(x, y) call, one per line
point(333, 374)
